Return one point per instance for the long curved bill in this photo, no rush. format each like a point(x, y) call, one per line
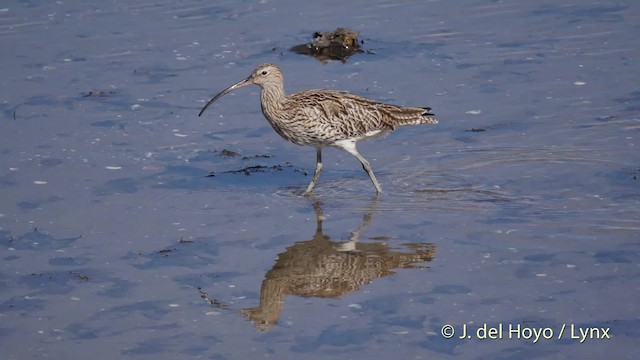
point(237, 85)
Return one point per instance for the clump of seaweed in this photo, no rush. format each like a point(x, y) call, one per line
point(331, 45)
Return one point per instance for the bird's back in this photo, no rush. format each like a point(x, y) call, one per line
point(335, 115)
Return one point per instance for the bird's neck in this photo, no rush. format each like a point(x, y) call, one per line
point(273, 101)
point(272, 96)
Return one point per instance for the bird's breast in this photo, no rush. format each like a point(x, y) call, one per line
point(292, 127)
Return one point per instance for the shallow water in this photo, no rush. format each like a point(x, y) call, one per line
point(523, 202)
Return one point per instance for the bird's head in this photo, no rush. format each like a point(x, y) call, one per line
point(265, 74)
point(262, 76)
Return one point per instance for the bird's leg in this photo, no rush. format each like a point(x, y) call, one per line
point(316, 174)
point(367, 167)
point(350, 147)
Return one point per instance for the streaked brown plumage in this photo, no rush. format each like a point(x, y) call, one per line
point(321, 118)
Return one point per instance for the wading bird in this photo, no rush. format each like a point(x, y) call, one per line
point(321, 118)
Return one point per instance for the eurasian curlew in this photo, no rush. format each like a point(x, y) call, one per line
point(321, 118)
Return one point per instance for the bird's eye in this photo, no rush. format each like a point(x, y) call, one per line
point(264, 72)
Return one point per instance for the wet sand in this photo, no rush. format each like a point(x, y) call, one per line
point(520, 210)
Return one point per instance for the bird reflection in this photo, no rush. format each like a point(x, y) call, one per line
point(324, 268)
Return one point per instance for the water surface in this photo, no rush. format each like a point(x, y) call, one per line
point(519, 209)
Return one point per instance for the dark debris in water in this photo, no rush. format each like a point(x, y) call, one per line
point(212, 301)
point(250, 170)
point(168, 250)
point(99, 93)
point(61, 277)
point(263, 156)
point(331, 45)
point(199, 252)
point(227, 153)
point(231, 153)
point(79, 276)
point(184, 241)
point(165, 252)
point(255, 169)
point(477, 129)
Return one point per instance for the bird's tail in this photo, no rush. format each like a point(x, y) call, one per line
point(413, 116)
point(428, 117)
